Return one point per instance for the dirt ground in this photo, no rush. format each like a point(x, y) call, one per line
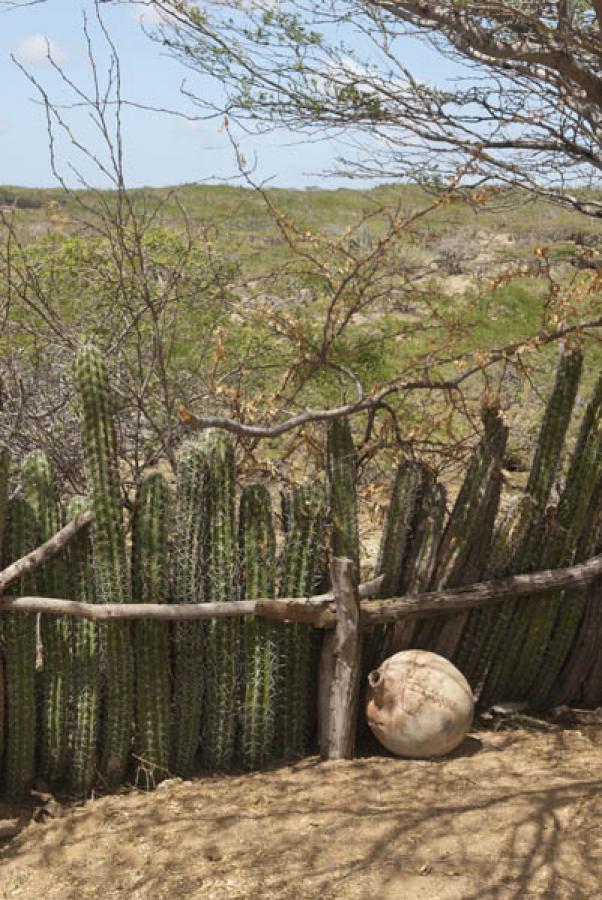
point(512, 814)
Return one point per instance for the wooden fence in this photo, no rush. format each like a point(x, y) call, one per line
point(344, 613)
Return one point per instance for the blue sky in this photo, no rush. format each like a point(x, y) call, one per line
point(159, 150)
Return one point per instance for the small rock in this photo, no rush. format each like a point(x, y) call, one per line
point(213, 853)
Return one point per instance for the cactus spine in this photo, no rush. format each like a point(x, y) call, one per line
point(188, 562)
point(85, 666)
point(150, 584)
point(20, 537)
point(518, 547)
point(40, 490)
point(300, 567)
point(110, 564)
point(341, 464)
point(218, 723)
point(261, 637)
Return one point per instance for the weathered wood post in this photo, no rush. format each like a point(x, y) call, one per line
point(340, 667)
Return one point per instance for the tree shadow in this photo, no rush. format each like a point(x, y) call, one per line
point(505, 817)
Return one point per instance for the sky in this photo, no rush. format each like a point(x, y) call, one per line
point(158, 149)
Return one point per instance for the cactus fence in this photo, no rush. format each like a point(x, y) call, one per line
point(200, 647)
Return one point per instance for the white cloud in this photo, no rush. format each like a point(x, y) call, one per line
point(148, 15)
point(191, 126)
point(34, 49)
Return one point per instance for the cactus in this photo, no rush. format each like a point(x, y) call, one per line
point(4, 476)
point(459, 555)
point(412, 482)
point(578, 673)
point(518, 548)
point(188, 562)
point(150, 584)
point(218, 721)
point(554, 621)
point(85, 665)
point(110, 564)
point(40, 491)
point(300, 567)
point(261, 637)
point(421, 561)
point(4, 473)
point(570, 647)
point(582, 676)
point(20, 537)
point(341, 464)
point(467, 536)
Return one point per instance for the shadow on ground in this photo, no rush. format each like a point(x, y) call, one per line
point(508, 816)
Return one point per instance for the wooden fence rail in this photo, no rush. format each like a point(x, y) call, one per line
point(320, 610)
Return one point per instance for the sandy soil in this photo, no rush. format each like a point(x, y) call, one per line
point(511, 814)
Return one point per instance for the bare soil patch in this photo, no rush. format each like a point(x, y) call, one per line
point(510, 815)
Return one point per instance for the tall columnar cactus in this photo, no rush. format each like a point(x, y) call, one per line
point(468, 533)
point(519, 545)
point(300, 568)
point(341, 464)
point(218, 721)
point(4, 478)
point(460, 549)
point(546, 460)
point(110, 563)
point(150, 584)
point(85, 664)
point(4, 474)
point(189, 586)
point(412, 483)
point(261, 637)
point(20, 537)
point(553, 622)
point(421, 561)
point(40, 491)
point(581, 677)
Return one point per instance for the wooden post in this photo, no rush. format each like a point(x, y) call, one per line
point(340, 667)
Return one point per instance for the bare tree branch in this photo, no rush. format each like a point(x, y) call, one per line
point(375, 400)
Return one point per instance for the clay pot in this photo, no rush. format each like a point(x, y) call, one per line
point(419, 705)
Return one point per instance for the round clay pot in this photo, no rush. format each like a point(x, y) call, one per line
point(419, 705)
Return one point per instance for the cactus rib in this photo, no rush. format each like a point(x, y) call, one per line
point(300, 567)
point(341, 464)
point(19, 630)
point(218, 722)
point(4, 475)
point(188, 563)
point(468, 533)
point(150, 584)
point(85, 667)
point(261, 637)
